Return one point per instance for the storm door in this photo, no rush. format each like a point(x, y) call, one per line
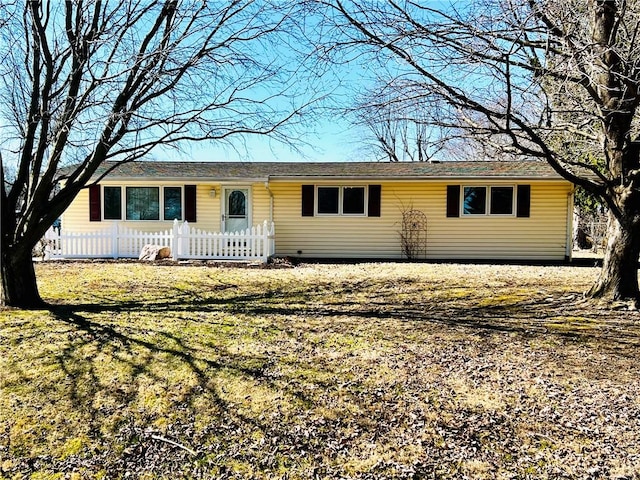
point(236, 209)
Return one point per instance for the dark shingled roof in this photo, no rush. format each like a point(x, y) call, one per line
point(225, 171)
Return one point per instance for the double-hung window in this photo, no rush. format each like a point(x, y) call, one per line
point(341, 200)
point(485, 200)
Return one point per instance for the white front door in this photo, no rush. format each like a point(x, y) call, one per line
point(236, 209)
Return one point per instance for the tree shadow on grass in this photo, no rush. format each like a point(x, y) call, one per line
point(141, 352)
point(343, 308)
point(568, 317)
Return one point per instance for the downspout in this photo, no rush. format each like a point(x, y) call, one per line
point(266, 185)
point(272, 240)
point(569, 248)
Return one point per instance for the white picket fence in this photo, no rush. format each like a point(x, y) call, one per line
point(186, 242)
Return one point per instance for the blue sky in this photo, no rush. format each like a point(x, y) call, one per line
point(331, 140)
point(329, 137)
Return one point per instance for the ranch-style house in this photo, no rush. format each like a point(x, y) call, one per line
point(484, 210)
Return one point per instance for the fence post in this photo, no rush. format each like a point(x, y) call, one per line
point(264, 241)
point(115, 240)
point(175, 240)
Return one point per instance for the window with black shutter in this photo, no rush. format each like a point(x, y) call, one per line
point(375, 197)
point(453, 200)
point(190, 211)
point(524, 201)
point(95, 213)
point(346, 200)
point(308, 200)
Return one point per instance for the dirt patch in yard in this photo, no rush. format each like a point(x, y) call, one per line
point(320, 371)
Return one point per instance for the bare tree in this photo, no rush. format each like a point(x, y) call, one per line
point(546, 79)
point(399, 129)
point(87, 81)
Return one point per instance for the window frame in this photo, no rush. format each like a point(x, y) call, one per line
point(513, 201)
point(129, 188)
point(104, 202)
point(340, 212)
point(164, 205)
point(488, 201)
point(338, 200)
point(463, 212)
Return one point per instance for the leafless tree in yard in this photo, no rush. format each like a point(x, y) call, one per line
point(87, 81)
point(398, 129)
point(555, 80)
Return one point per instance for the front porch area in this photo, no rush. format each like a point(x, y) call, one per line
point(186, 243)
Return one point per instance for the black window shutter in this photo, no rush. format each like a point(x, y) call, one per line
point(453, 200)
point(523, 209)
point(375, 193)
point(190, 203)
point(307, 200)
point(95, 214)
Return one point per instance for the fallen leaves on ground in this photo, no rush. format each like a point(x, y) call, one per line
point(366, 371)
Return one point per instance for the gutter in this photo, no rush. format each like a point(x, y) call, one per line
point(312, 178)
point(185, 179)
point(406, 178)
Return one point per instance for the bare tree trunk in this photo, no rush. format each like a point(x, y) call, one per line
point(19, 287)
point(618, 278)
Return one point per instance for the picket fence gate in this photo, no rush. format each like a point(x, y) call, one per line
point(186, 242)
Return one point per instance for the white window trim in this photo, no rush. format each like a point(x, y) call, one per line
point(341, 202)
point(162, 206)
point(513, 201)
point(122, 203)
point(487, 206)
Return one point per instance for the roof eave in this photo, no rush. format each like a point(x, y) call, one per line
point(110, 178)
point(417, 177)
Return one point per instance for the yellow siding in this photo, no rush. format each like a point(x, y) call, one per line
point(541, 236)
point(261, 202)
point(208, 210)
point(76, 217)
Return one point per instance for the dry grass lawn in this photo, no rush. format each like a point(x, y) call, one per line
point(367, 371)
